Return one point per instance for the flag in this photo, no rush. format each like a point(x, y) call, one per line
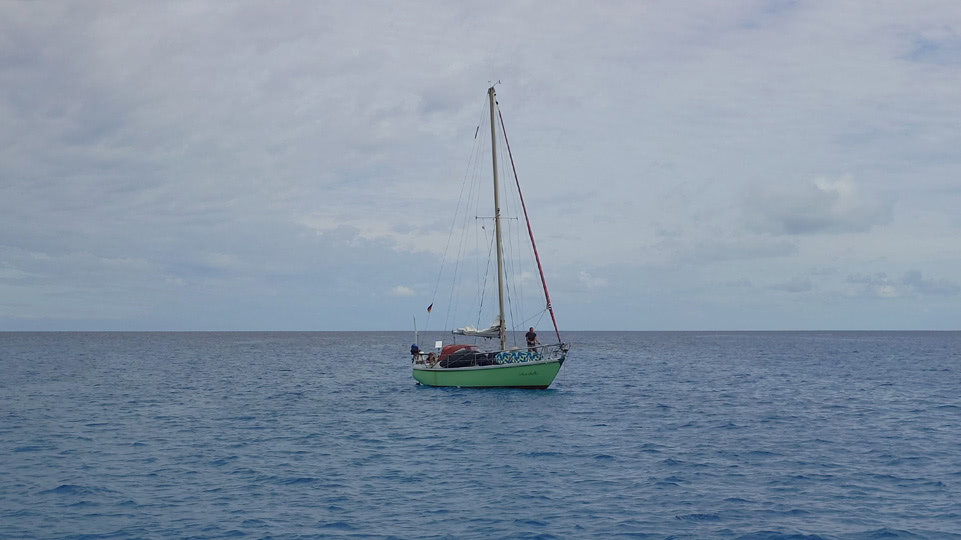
point(430, 306)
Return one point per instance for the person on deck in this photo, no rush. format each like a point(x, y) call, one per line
point(414, 352)
point(531, 339)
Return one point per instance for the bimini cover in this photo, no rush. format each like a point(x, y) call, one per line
point(492, 331)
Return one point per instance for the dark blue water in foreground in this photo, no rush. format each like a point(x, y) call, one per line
point(325, 435)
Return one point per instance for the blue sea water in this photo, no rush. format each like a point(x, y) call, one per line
point(682, 435)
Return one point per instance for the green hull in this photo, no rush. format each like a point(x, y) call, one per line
point(529, 375)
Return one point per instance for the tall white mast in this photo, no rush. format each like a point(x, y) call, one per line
point(497, 228)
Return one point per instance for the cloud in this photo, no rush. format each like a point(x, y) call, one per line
point(823, 206)
point(912, 282)
point(745, 248)
point(941, 287)
point(401, 290)
point(795, 285)
point(242, 166)
point(939, 45)
point(877, 285)
point(590, 281)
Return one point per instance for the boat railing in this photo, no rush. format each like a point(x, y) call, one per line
point(553, 351)
point(474, 358)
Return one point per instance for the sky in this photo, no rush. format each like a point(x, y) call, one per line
point(737, 165)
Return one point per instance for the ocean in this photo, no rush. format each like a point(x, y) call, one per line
point(661, 435)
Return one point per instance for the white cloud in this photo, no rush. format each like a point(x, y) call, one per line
point(401, 290)
point(590, 281)
point(877, 284)
point(887, 291)
point(911, 282)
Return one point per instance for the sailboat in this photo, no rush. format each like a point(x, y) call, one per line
point(532, 365)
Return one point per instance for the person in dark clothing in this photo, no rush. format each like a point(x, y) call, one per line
point(414, 352)
point(531, 339)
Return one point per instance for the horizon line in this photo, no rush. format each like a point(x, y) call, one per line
point(52, 331)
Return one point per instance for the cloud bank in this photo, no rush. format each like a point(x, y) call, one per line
point(822, 206)
point(211, 165)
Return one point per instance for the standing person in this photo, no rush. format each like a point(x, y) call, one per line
point(531, 339)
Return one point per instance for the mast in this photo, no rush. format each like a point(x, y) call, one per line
point(497, 228)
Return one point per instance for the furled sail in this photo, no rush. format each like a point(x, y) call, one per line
point(490, 332)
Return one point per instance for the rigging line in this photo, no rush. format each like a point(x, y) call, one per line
point(470, 204)
point(487, 268)
point(514, 297)
point(539, 315)
point(510, 254)
point(480, 245)
point(509, 246)
point(472, 198)
point(505, 238)
point(468, 246)
point(479, 234)
point(507, 284)
point(539, 319)
point(453, 299)
point(451, 303)
point(475, 248)
point(450, 234)
point(525, 262)
point(480, 242)
point(517, 264)
point(540, 270)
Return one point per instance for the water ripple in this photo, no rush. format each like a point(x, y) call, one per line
point(745, 436)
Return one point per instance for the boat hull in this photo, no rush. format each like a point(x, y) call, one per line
point(532, 375)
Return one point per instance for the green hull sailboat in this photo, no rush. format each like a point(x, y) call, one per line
point(532, 365)
point(528, 375)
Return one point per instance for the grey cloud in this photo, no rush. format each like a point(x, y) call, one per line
point(932, 287)
point(748, 248)
point(292, 273)
point(911, 280)
point(876, 285)
point(879, 278)
point(822, 206)
point(943, 48)
point(823, 271)
point(795, 285)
